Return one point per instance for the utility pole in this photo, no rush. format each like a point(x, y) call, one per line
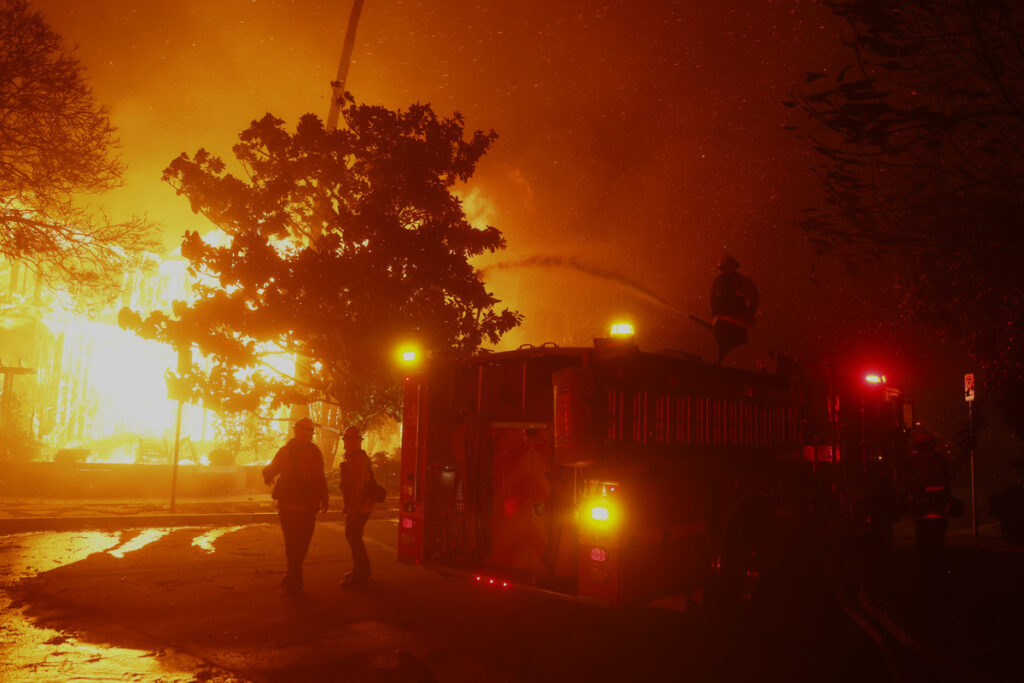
point(177, 446)
point(184, 365)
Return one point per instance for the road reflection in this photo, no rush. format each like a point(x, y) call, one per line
point(31, 652)
point(140, 540)
point(25, 555)
point(206, 540)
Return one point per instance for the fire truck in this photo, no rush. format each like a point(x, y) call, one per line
point(616, 475)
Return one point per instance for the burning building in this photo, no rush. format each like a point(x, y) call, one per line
point(91, 389)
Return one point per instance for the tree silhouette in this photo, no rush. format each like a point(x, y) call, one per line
point(338, 245)
point(921, 146)
point(56, 145)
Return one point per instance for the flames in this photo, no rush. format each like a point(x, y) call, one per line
point(111, 386)
point(101, 388)
point(104, 388)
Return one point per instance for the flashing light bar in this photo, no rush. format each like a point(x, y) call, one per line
point(622, 330)
point(874, 379)
point(408, 355)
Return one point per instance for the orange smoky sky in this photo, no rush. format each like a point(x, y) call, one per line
point(637, 138)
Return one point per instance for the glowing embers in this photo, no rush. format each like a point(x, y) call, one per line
point(139, 541)
point(205, 541)
point(492, 582)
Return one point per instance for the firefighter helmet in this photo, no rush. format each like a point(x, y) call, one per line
point(352, 433)
point(304, 425)
point(727, 262)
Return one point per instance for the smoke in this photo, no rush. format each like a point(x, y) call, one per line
point(570, 263)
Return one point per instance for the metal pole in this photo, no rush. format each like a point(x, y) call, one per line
point(974, 509)
point(177, 445)
point(418, 442)
point(338, 85)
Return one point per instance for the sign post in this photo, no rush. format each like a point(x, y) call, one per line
point(184, 365)
point(969, 398)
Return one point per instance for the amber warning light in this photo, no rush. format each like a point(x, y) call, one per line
point(408, 355)
point(622, 330)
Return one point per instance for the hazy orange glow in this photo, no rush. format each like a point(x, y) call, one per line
point(613, 143)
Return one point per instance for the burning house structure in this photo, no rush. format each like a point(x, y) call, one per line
point(92, 391)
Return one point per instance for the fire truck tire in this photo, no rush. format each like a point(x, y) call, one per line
point(749, 566)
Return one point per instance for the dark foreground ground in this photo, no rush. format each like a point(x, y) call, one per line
point(202, 603)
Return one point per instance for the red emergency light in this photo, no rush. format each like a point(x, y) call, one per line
point(491, 581)
point(874, 378)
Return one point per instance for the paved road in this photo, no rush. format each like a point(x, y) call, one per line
point(180, 604)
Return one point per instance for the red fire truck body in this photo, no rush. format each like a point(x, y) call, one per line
point(616, 475)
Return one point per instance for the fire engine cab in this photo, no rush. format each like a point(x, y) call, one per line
point(616, 475)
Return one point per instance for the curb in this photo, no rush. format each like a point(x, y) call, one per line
point(35, 524)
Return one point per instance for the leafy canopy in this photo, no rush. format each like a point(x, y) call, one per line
point(339, 244)
point(56, 145)
point(920, 141)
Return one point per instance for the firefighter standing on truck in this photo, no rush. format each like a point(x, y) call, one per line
point(734, 300)
point(355, 475)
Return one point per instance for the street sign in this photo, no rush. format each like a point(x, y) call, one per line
point(969, 387)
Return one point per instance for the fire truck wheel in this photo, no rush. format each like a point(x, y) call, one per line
point(748, 567)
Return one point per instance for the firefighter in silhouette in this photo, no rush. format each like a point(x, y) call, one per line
point(929, 502)
point(300, 491)
point(734, 300)
point(356, 473)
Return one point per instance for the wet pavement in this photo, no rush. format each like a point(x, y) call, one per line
point(31, 651)
point(964, 622)
point(182, 604)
